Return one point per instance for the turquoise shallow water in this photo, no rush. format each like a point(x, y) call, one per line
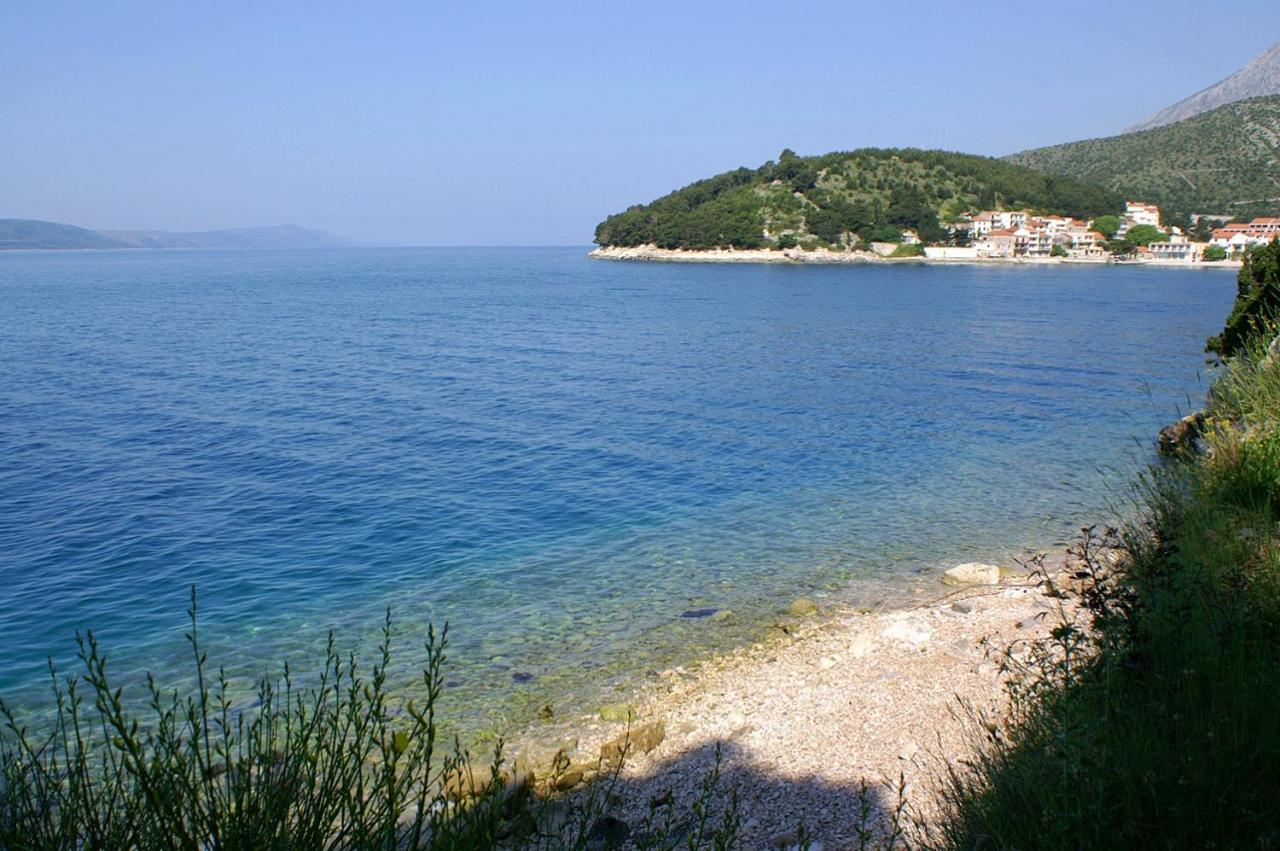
point(560, 456)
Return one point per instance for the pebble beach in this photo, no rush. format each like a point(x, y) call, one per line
point(842, 720)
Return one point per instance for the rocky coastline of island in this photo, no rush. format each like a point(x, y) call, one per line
point(820, 256)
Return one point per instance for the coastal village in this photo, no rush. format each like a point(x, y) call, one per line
point(1138, 235)
point(1014, 234)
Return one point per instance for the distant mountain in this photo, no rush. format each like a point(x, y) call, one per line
point(843, 198)
point(1260, 77)
point(1223, 161)
point(279, 236)
point(29, 233)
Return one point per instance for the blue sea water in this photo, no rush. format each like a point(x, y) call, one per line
point(557, 455)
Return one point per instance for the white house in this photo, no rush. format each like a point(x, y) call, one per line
point(1140, 213)
point(1177, 248)
point(1234, 238)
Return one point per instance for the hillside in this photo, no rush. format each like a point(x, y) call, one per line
point(32, 234)
point(839, 198)
point(1259, 78)
point(280, 236)
point(1224, 161)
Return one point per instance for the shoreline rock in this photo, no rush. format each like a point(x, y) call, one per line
point(823, 256)
point(972, 573)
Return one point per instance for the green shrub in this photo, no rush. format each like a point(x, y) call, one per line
point(340, 764)
point(1154, 723)
point(904, 250)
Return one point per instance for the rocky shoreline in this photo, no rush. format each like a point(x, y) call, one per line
point(822, 256)
point(842, 712)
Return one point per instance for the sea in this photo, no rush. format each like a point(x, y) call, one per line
point(590, 470)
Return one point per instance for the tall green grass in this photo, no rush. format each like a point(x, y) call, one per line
point(1157, 723)
point(339, 764)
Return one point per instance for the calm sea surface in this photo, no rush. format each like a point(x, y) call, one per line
point(557, 455)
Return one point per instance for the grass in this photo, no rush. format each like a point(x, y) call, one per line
point(336, 765)
point(1159, 725)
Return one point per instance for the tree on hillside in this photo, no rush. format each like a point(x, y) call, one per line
point(1257, 300)
point(1107, 225)
point(796, 171)
point(909, 207)
point(1144, 235)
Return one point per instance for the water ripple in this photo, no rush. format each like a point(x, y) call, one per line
point(559, 456)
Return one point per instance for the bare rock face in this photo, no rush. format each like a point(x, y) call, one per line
point(972, 573)
point(1260, 77)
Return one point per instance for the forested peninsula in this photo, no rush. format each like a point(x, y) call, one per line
point(842, 200)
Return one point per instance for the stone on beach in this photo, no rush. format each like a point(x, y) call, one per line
point(641, 739)
point(908, 631)
point(972, 573)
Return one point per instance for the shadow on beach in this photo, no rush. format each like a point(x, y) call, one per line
point(674, 801)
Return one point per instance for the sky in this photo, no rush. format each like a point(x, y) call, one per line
point(527, 123)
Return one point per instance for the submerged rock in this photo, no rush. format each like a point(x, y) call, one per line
point(803, 606)
point(972, 573)
point(617, 712)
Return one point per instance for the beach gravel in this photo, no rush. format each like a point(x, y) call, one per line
point(839, 717)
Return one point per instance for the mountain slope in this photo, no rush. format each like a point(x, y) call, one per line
point(31, 233)
point(1259, 78)
point(1223, 161)
point(831, 199)
point(280, 236)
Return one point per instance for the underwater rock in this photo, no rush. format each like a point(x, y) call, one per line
point(801, 607)
point(698, 613)
point(617, 712)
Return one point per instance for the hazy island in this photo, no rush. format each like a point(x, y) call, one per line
point(35, 235)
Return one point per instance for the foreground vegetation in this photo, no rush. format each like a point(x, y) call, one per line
point(1159, 728)
point(1222, 161)
point(842, 199)
point(336, 765)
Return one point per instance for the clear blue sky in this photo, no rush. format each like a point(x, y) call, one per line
point(525, 123)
